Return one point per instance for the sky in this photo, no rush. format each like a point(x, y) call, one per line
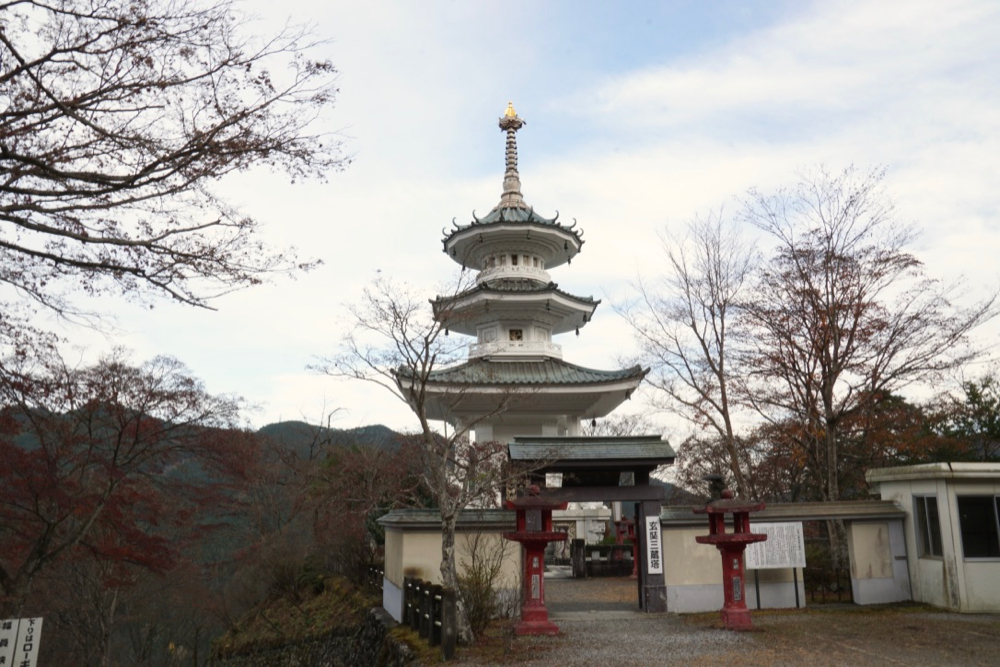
point(640, 116)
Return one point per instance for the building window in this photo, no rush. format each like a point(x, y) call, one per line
point(513, 260)
point(928, 525)
point(977, 518)
point(516, 334)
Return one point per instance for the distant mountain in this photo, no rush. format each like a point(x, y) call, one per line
point(676, 495)
point(299, 436)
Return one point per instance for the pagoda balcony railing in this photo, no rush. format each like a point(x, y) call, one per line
point(515, 273)
point(516, 348)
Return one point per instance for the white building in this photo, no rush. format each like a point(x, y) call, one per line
point(952, 531)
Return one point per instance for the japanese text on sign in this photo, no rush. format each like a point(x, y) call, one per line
point(784, 547)
point(654, 546)
point(19, 642)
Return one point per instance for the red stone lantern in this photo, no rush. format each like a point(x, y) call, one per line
point(625, 530)
point(534, 532)
point(734, 612)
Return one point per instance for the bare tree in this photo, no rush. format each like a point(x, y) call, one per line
point(116, 119)
point(843, 316)
point(683, 325)
point(398, 343)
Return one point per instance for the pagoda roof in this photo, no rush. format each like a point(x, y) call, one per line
point(517, 286)
point(559, 310)
point(525, 287)
point(547, 371)
point(513, 214)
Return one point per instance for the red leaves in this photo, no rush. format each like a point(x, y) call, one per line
point(115, 460)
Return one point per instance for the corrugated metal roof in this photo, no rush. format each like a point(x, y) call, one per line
point(430, 519)
point(843, 509)
point(545, 372)
point(589, 449)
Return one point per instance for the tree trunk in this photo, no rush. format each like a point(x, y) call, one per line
point(107, 623)
point(449, 577)
point(734, 465)
point(836, 529)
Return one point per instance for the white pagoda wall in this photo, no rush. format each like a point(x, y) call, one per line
point(509, 428)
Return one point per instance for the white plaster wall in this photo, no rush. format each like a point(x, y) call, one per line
point(394, 557)
point(687, 563)
point(879, 571)
point(692, 573)
point(982, 580)
point(489, 544)
point(871, 557)
point(392, 599)
point(777, 588)
point(421, 554)
point(421, 551)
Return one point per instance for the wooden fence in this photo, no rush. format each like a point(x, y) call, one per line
point(430, 610)
point(375, 579)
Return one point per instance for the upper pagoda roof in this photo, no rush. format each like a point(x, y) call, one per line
point(512, 216)
point(562, 311)
point(543, 372)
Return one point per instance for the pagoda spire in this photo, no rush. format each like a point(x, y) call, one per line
point(511, 197)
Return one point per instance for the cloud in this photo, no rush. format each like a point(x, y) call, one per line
point(625, 145)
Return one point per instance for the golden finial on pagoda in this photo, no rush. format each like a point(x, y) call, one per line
point(510, 113)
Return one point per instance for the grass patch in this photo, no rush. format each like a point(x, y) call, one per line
point(497, 645)
point(426, 655)
point(331, 606)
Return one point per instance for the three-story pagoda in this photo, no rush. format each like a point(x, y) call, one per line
point(514, 310)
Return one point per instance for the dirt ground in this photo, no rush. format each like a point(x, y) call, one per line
point(593, 614)
point(891, 635)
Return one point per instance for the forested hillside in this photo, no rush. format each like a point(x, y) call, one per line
point(141, 522)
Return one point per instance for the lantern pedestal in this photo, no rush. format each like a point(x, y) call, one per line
point(534, 532)
point(734, 612)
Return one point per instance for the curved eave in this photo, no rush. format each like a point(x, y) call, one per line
point(470, 244)
point(520, 399)
point(486, 374)
point(464, 312)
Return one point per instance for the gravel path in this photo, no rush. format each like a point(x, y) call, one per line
point(600, 624)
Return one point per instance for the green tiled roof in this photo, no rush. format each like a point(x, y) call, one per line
point(513, 215)
point(548, 371)
point(518, 286)
point(646, 447)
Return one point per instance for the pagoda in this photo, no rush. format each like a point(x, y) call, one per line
point(514, 310)
point(515, 386)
